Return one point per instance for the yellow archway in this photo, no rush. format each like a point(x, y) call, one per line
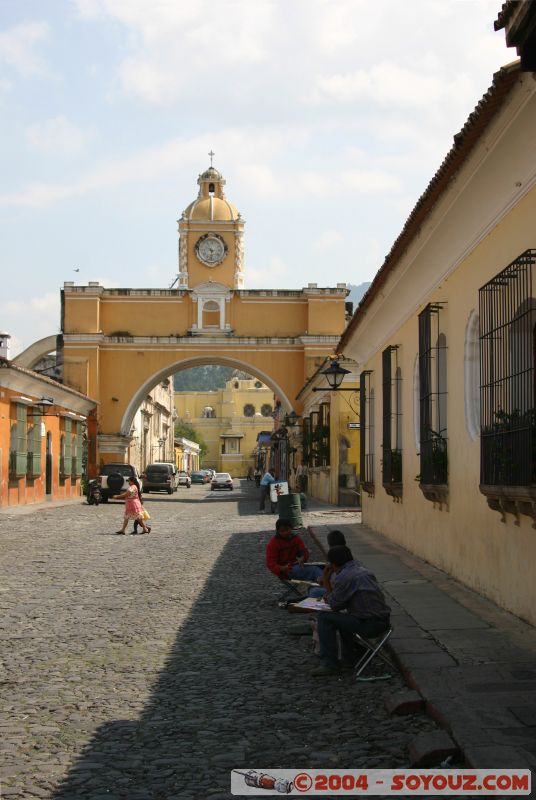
point(179, 366)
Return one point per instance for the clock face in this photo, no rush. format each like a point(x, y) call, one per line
point(211, 249)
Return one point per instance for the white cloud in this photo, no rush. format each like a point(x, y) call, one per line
point(173, 41)
point(57, 136)
point(260, 277)
point(387, 84)
point(370, 181)
point(41, 304)
point(235, 147)
point(18, 47)
point(327, 240)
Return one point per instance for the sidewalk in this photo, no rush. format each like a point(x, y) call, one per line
point(473, 663)
point(30, 508)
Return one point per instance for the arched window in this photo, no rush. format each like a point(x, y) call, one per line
point(249, 410)
point(211, 314)
point(416, 404)
point(266, 410)
point(208, 413)
point(472, 375)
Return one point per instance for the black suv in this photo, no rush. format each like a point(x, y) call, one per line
point(113, 479)
point(159, 478)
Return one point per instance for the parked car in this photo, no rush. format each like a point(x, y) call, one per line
point(200, 476)
point(159, 478)
point(174, 471)
point(222, 480)
point(113, 479)
point(184, 479)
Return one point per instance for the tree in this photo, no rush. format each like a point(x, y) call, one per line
point(187, 431)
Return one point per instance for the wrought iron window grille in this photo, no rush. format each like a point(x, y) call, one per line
point(433, 404)
point(366, 415)
point(507, 308)
point(392, 423)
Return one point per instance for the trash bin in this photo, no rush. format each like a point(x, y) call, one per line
point(289, 507)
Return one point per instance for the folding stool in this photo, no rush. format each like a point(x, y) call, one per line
point(373, 647)
point(292, 590)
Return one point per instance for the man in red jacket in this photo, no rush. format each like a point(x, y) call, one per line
point(286, 555)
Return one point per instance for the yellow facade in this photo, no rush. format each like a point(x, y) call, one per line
point(329, 468)
point(229, 421)
point(444, 509)
point(119, 343)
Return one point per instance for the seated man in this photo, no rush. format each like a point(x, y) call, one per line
point(286, 555)
point(351, 588)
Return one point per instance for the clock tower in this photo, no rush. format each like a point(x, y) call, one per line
point(211, 237)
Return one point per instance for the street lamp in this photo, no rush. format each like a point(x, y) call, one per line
point(334, 376)
point(41, 406)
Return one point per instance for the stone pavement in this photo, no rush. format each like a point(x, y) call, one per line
point(473, 664)
point(147, 667)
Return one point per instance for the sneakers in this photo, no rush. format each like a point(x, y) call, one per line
point(325, 671)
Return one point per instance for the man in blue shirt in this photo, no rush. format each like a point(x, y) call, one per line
point(267, 479)
point(358, 606)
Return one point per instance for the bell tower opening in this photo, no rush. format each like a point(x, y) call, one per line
point(211, 236)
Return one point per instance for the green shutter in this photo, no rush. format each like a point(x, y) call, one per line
point(36, 447)
point(22, 439)
point(67, 462)
point(79, 447)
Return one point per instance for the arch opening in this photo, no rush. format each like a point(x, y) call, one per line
point(179, 366)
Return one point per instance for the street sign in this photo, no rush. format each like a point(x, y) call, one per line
point(354, 424)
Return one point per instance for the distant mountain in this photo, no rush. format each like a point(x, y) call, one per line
point(205, 378)
point(357, 293)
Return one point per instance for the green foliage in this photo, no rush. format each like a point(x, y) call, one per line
point(187, 431)
point(205, 378)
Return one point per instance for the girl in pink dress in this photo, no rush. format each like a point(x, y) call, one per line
point(133, 506)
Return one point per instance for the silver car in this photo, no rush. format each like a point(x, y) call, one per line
point(222, 480)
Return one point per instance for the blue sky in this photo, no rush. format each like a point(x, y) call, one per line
point(328, 118)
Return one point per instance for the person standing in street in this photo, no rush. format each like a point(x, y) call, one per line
point(133, 507)
point(266, 481)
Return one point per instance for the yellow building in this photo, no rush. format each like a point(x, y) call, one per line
point(229, 421)
point(186, 454)
point(117, 344)
point(329, 468)
point(445, 341)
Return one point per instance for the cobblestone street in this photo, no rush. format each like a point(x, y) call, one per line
point(150, 666)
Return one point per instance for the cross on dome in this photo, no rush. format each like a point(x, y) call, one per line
point(211, 154)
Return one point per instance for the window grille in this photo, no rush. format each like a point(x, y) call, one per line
point(507, 391)
point(392, 418)
point(366, 413)
point(433, 396)
point(306, 441)
point(313, 451)
point(322, 435)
